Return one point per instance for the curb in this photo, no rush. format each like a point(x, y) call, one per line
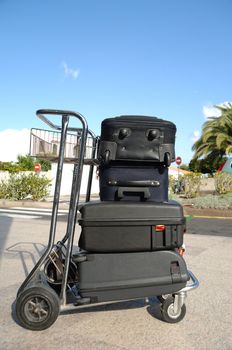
point(190, 217)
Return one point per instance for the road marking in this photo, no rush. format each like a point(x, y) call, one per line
point(211, 217)
point(32, 211)
point(190, 217)
point(19, 216)
point(40, 209)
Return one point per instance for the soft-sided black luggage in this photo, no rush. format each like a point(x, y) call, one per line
point(133, 181)
point(105, 277)
point(137, 138)
point(129, 227)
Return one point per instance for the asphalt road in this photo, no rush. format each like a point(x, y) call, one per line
point(122, 325)
point(212, 227)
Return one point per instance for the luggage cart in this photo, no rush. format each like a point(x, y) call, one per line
point(54, 284)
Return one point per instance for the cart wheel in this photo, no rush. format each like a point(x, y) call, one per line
point(168, 313)
point(37, 307)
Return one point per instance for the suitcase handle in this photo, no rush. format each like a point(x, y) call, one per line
point(145, 191)
point(135, 183)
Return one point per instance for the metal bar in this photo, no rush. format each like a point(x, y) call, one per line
point(48, 122)
point(30, 141)
point(74, 201)
point(193, 285)
point(91, 168)
point(52, 233)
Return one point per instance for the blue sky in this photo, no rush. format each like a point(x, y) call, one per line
point(103, 58)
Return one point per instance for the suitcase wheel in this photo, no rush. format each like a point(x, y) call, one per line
point(106, 157)
point(123, 133)
point(167, 159)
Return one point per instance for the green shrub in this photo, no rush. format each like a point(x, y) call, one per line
point(9, 166)
point(21, 186)
point(176, 184)
point(171, 180)
point(223, 183)
point(211, 201)
point(3, 190)
point(191, 184)
point(25, 163)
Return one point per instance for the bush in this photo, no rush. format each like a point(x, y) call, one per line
point(223, 183)
point(211, 201)
point(9, 166)
point(25, 163)
point(191, 184)
point(19, 187)
point(176, 185)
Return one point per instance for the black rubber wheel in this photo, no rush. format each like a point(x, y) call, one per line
point(167, 159)
point(167, 311)
point(107, 157)
point(37, 307)
point(163, 297)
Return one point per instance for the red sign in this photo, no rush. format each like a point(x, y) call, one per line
point(178, 160)
point(37, 167)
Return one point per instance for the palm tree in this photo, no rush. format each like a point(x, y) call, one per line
point(216, 138)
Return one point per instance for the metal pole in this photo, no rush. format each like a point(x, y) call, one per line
point(73, 207)
point(91, 168)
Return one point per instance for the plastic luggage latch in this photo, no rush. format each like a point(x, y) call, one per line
point(175, 272)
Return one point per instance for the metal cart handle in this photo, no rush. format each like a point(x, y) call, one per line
point(40, 114)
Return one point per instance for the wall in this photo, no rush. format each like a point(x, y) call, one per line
point(67, 176)
point(66, 179)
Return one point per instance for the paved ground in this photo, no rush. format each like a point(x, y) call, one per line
point(212, 226)
point(124, 325)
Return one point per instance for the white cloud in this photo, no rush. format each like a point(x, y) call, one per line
point(196, 135)
point(211, 111)
point(12, 143)
point(70, 72)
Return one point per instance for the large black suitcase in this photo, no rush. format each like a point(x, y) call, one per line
point(131, 227)
point(105, 277)
point(137, 138)
point(133, 181)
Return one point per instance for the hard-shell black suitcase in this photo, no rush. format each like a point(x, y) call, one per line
point(118, 276)
point(133, 181)
point(137, 138)
point(131, 227)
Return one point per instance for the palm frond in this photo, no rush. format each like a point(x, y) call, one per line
point(229, 149)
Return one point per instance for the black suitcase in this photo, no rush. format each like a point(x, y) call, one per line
point(133, 181)
point(106, 277)
point(131, 227)
point(137, 138)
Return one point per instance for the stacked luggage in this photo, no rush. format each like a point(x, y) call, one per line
point(135, 153)
point(133, 232)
